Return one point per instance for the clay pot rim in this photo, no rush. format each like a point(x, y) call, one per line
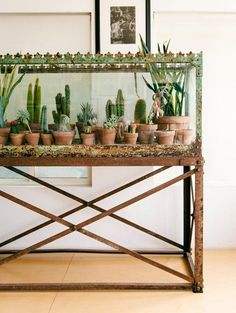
point(17, 134)
point(87, 135)
point(173, 119)
point(144, 127)
point(182, 131)
point(165, 132)
point(131, 134)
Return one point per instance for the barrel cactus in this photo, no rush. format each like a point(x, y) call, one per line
point(140, 112)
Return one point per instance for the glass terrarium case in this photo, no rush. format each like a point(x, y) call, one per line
point(148, 97)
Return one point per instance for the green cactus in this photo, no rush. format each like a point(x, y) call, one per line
point(67, 100)
point(140, 112)
point(62, 105)
point(120, 104)
point(64, 125)
point(44, 121)
point(30, 102)
point(37, 107)
point(110, 109)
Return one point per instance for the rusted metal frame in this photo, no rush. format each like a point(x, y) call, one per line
point(193, 212)
point(94, 286)
point(135, 254)
point(79, 226)
point(90, 204)
point(190, 263)
point(198, 277)
point(187, 211)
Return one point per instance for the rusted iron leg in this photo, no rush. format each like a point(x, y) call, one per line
point(187, 210)
point(198, 281)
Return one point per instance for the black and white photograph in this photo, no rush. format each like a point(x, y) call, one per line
point(123, 24)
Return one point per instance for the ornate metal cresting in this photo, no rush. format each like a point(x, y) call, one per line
point(189, 158)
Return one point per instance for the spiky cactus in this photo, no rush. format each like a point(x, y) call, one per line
point(44, 120)
point(37, 107)
point(110, 109)
point(30, 102)
point(62, 105)
point(64, 125)
point(140, 112)
point(120, 104)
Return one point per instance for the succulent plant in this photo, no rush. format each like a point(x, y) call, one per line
point(86, 115)
point(7, 86)
point(64, 125)
point(140, 112)
point(111, 122)
point(110, 109)
point(62, 105)
point(120, 104)
point(44, 121)
point(23, 117)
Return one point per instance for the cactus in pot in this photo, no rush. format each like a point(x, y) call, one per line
point(140, 116)
point(23, 117)
point(120, 104)
point(64, 135)
point(34, 104)
point(46, 135)
point(62, 105)
point(108, 133)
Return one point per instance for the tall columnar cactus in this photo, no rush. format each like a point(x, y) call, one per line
point(30, 102)
point(62, 105)
point(120, 104)
point(110, 109)
point(140, 112)
point(44, 120)
point(37, 107)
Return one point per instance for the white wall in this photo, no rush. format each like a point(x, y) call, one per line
point(213, 33)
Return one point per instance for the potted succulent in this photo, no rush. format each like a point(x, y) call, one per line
point(87, 120)
point(46, 135)
point(131, 136)
point(64, 135)
point(7, 86)
point(168, 92)
point(34, 105)
point(88, 137)
point(30, 137)
point(108, 132)
point(17, 137)
point(145, 125)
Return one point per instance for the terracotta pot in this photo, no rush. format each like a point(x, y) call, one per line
point(184, 136)
point(97, 131)
point(4, 134)
point(47, 139)
point(146, 133)
point(88, 139)
point(107, 136)
point(32, 138)
point(130, 138)
point(63, 138)
point(173, 122)
point(165, 137)
point(17, 139)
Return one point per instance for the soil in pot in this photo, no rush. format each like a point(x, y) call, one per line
point(146, 133)
point(63, 138)
point(108, 136)
point(17, 139)
point(173, 122)
point(47, 139)
point(184, 136)
point(4, 134)
point(32, 138)
point(165, 137)
point(88, 139)
point(130, 138)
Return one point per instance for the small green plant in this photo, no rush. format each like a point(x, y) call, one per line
point(7, 86)
point(111, 122)
point(64, 125)
point(140, 116)
point(62, 105)
point(23, 117)
point(86, 116)
point(44, 120)
point(117, 108)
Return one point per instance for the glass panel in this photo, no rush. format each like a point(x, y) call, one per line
point(7, 174)
point(62, 172)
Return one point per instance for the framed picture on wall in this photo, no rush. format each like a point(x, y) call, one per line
point(119, 23)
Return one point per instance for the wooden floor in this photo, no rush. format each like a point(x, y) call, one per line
point(219, 293)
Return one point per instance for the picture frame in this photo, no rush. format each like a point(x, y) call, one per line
point(118, 24)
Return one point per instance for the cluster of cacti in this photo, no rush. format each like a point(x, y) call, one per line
point(44, 120)
point(117, 108)
point(140, 112)
point(34, 101)
point(62, 105)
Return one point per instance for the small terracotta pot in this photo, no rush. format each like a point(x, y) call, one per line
point(184, 136)
point(63, 138)
point(108, 136)
point(165, 137)
point(32, 138)
point(17, 139)
point(130, 138)
point(88, 139)
point(4, 134)
point(47, 139)
point(173, 122)
point(146, 133)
